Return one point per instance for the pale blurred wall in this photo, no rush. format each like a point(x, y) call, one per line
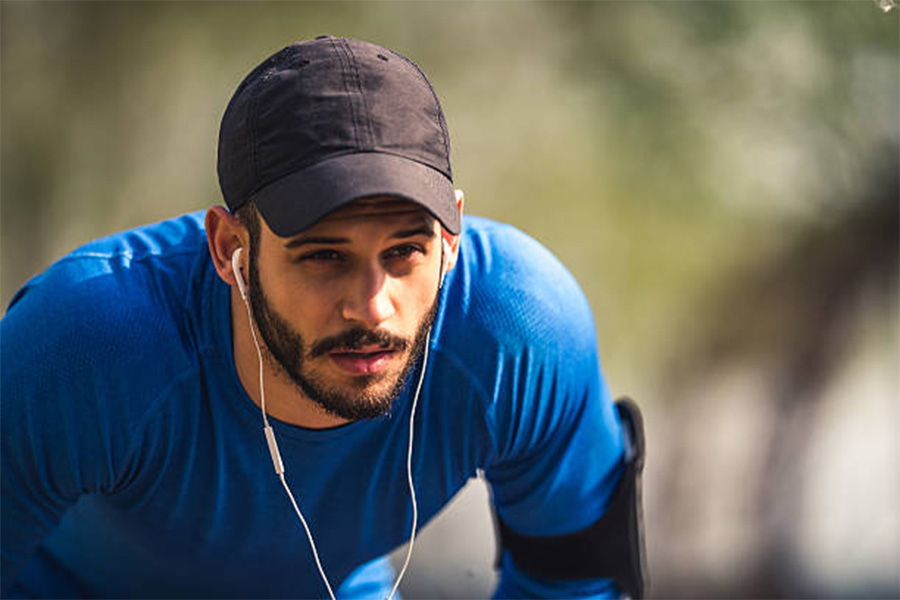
point(659, 149)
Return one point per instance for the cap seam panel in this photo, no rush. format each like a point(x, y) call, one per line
point(252, 134)
point(340, 51)
point(370, 142)
point(444, 134)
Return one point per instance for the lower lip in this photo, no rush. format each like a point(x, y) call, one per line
point(362, 364)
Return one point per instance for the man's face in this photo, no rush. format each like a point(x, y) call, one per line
point(344, 306)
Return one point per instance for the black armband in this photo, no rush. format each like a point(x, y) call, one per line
point(613, 547)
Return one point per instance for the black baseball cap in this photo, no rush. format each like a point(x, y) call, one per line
point(324, 122)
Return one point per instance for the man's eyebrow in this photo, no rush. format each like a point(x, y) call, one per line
point(300, 241)
point(425, 230)
point(405, 233)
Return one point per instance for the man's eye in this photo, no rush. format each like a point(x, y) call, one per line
point(401, 252)
point(322, 256)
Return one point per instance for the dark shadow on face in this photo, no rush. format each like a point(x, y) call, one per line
point(288, 353)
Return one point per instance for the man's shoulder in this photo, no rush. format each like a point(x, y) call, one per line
point(108, 270)
point(94, 346)
point(518, 331)
point(112, 297)
point(511, 286)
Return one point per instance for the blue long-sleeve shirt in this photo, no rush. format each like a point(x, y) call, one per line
point(134, 463)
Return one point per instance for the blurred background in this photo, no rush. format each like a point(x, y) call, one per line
point(721, 177)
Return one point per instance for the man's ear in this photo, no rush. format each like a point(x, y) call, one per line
point(453, 240)
point(225, 233)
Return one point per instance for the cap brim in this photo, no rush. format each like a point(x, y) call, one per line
point(300, 199)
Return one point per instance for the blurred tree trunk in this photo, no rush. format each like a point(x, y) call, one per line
point(792, 315)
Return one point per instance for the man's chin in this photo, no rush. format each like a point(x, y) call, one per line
point(356, 397)
point(356, 403)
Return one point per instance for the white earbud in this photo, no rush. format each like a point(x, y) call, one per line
point(445, 259)
point(236, 269)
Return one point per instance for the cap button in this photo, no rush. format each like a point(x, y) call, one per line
point(323, 37)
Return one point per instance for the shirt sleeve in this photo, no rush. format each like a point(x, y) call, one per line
point(38, 482)
point(65, 428)
point(558, 441)
point(561, 461)
point(560, 446)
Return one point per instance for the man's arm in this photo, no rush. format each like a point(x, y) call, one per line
point(560, 450)
point(611, 548)
point(556, 501)
point(63, 343)
point(39, 444)
point(557, 450)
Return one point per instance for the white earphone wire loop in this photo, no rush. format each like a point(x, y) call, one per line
point(309, 536)
point(273, 444)
point(445, 256)
point(409, 476)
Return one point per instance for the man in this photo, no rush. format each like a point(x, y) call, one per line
point(339, 324)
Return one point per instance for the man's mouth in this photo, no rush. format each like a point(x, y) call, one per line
point(368, 360)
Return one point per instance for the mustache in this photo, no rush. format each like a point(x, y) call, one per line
point(356, 338)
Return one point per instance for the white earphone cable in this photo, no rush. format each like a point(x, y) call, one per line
point(276, 455)
point(412, 488)
point(309, 536)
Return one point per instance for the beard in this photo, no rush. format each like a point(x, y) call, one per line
point(289, 354)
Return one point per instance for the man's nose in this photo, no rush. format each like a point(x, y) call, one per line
point(368, 302)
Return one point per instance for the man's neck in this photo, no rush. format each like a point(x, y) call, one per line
point(284, 400)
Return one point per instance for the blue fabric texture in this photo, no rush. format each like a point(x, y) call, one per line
point(134, 463)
